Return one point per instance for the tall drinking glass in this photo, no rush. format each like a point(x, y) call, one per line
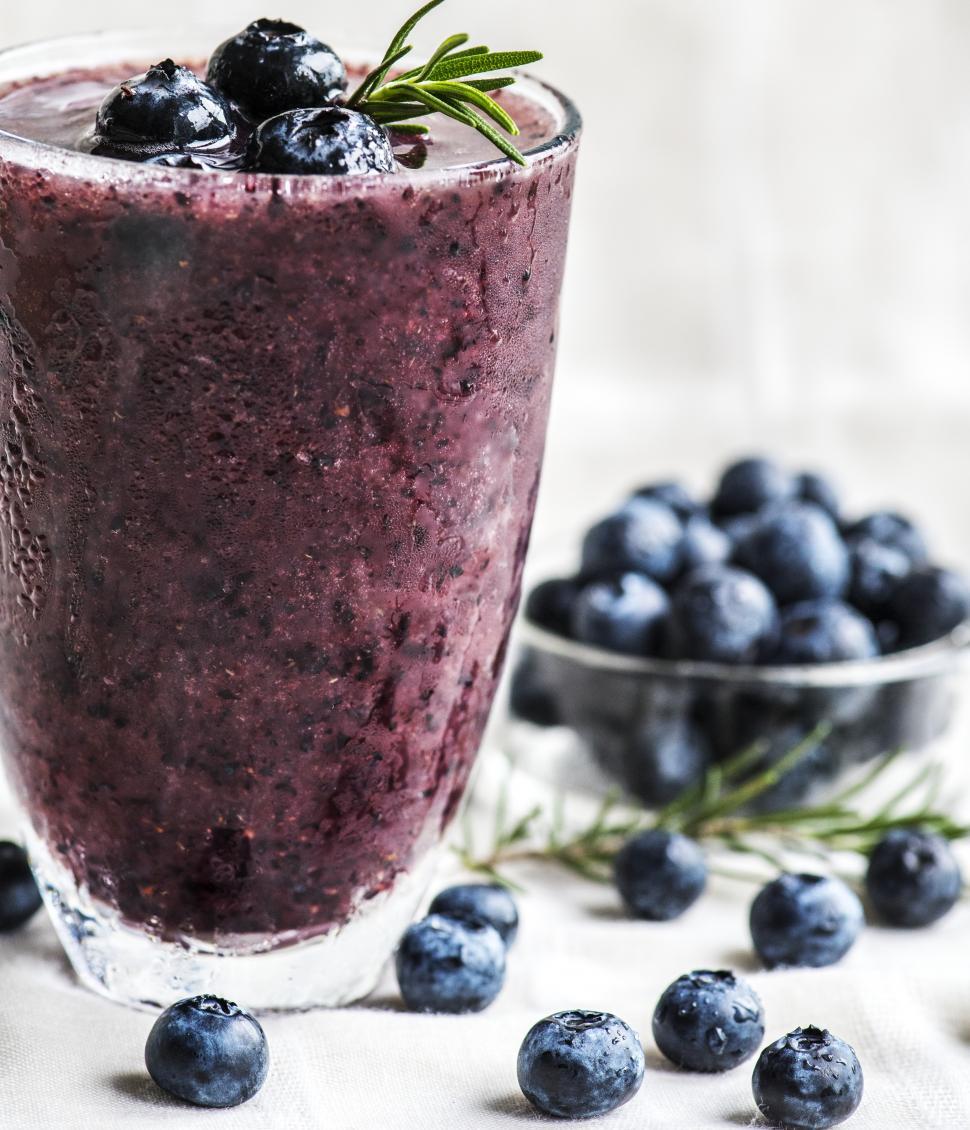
point(269, 450)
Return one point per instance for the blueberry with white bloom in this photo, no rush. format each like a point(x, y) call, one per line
point(207, 1051)
point(641, 537)
point(751, 484)
point(703, 544)
point(798, 553)
point(709, 1021)
point(721, 614)
point(491, 902)
point(660, 874)
point(627, 614)
point(805, 920)
point(913, 877)
point(823, 631)
point(580, 1064)
point(450, 964)
point(876, 572)
point(807, 1080)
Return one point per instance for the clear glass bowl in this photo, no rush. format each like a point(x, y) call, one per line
point(652, 726)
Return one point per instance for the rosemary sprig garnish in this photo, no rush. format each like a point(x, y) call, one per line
point(442, 85)
point(716, 811)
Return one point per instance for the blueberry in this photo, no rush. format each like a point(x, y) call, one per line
point(894, 530)
point(660, 874)
point(327, 142)
point(627, 614)
point(274, 66)
point(207, 1051)
point(703, 544)
point(166, 111)
point(876, 571)
point(929, 604)
point(709, 1021)
point(642, 537)
point(722, 615)
point(580, 1064)
point(550, 605)
point(808, 920)
point(823, 631)
point(798, 553)
point(666, 754)
point(807, 1080)
point(814, 488)
point(491, 902)
point(450, 964)
point(913, 878)
point(749, 485)
point(531, 698)
point(19, 897)
point(674, 495)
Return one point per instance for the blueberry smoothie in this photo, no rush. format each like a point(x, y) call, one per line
point(270, 451)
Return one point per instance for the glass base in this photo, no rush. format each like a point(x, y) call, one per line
point(134, 968)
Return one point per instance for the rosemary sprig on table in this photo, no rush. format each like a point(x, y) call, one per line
point(443, 85)
point(716, 811)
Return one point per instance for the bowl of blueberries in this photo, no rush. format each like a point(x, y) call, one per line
point(764, 619)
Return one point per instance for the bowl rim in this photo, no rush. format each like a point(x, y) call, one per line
point(934, 658)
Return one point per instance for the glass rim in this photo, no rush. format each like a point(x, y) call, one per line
point(929, 659)
point(73, 162)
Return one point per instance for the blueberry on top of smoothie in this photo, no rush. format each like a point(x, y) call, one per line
point(329, 141)
point(166, 110)
point(274, 66)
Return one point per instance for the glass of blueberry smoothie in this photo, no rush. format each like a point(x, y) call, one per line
point(275, 368)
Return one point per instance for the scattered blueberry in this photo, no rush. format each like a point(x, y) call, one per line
point(626, 614)
point(19, 897)
point(531, 696)
point(643, 536)
point(929, 604)
point(750, 485)
point(166, 111)
point(550, 605)
point(805, 920)
point(888, 528)
point(274, 66)
point(723, 615)
point(807, 1080)
point(580, 1064)
point(660, 874)
point(823, 631)
point(207, 1051)
point(450, 964)
point(913, 878)
point(817, 489)
point(708, 1021)
point(876, 571)
point(798, 553)
point(491, 902)
point(674, 495)
point(330, 142)
point(703, 544)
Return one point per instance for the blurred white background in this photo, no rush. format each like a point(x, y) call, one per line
point(771, 246)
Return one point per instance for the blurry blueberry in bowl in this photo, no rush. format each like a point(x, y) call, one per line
point(627, 614)
point(660, 874)
point(709, 1021)
point(550, 604)
point(703, 544)
point(820, 761)
point(913, 878)
point(805, 920)
point(666, 754)
point(643, 536)
point(721, 614)
point(532, 695)
point(749, 485)
point(491, 902)
point(807, 1080)
point(797, 552)
point(929, 604)
point(876, 571)
point(889, 528)
point(674, 495)
point(823, 631)
point(817, 489)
